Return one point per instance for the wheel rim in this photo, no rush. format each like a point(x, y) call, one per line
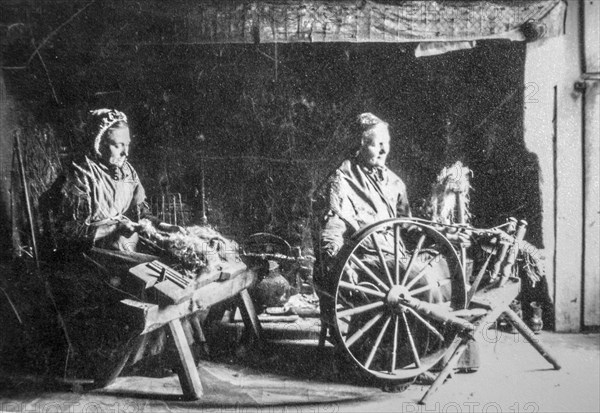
point(392, 285)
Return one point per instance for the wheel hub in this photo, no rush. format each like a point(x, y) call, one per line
point(396, 295)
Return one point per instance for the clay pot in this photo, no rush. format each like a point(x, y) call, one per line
point(535, 322)
point(273, 290)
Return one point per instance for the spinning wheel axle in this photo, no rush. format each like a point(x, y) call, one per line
point(400, 297)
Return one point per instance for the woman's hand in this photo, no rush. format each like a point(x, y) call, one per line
point(461, 237)
point(127, 228)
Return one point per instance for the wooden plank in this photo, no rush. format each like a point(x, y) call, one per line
point(188, 373)
point(155, 316)
point(569, 178)
point(591, 226)
point(496, 300)
point(591, 179)
point(591, 38)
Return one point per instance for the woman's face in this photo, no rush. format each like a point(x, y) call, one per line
point(115, 146)
point(375, 148)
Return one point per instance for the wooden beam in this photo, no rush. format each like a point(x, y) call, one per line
point(349, 21)
point(569, 177)
point(154, 316)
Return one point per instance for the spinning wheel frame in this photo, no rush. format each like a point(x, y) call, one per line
point(389, 320)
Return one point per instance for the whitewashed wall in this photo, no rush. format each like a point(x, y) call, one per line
point(557, 130)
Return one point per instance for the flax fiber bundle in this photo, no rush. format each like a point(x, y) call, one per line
point(443, 201)
point(200, 250)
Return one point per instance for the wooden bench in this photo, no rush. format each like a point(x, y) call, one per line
point(170, 303)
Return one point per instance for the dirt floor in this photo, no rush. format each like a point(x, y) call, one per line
point(293, 376)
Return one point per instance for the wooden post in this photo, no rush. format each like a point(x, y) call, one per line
point(249, 315)
point(591, 165)
point(450, 365)
point(7, 231)
point(188, 372)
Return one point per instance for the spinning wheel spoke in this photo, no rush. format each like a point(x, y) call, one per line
point(427, 324)
point(363, 330)
point(421, 273)
point(411, 341)
point(397, 241)
point(377, 343)
point(430, 286)
point(394, 345)
point(355, 287)
point(367, 271)
point(382, 259)
point(360, 310)
point(413, 258)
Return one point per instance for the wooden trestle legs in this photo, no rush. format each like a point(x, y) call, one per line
point(529, 335)
point(187, 370)
point(152, 316)
point(249, 315)
point(461, 344)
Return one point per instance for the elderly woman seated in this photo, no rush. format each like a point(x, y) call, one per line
point(363, 192)
point(92, 218)
point(99, 201)
point(95, 207)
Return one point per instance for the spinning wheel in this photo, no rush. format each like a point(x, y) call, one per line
point(395, 288)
